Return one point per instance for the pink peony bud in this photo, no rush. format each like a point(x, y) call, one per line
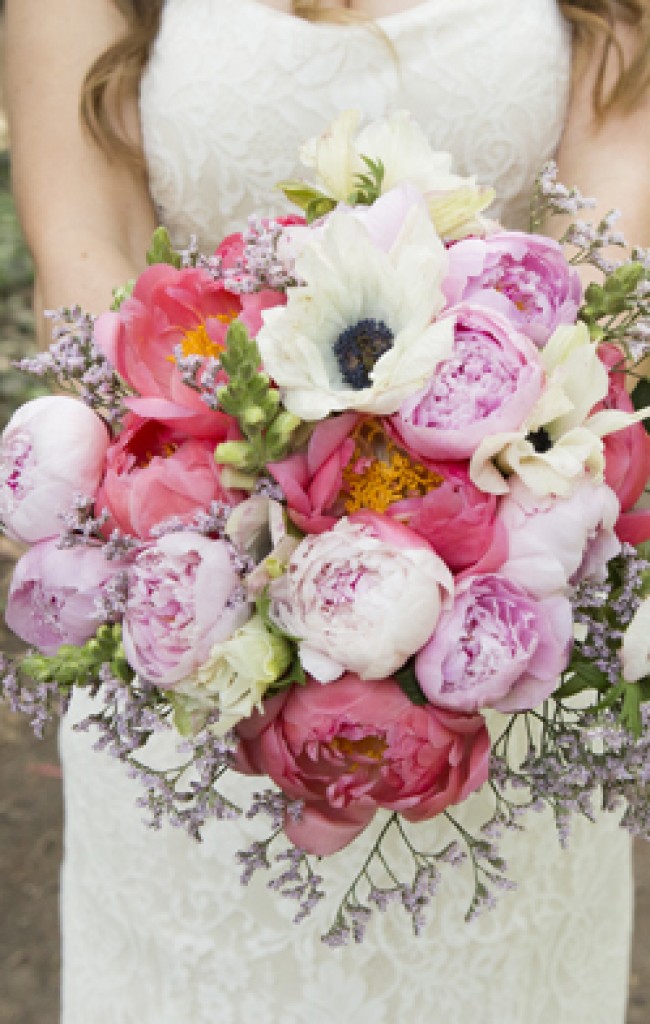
point(52, 449)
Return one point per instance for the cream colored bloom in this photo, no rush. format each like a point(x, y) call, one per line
point(238, 673)
point(559, 441)
point(455, 203)
point(361, 333)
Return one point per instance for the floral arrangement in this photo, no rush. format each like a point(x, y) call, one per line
point(349, 505)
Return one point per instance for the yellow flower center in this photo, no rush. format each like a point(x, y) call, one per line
point(370, 748)
point(199, 343)
point(379, 473)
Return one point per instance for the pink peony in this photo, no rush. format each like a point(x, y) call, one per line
point(627, 452)
point(555, 542)
point(171, 308)
point(184, 597)
point(362, 597)
point(154, 473)
point(497, 647)
point(489, 385)
point(524, 277)
point(55, 595)
point(352, 747)
point(52, 449)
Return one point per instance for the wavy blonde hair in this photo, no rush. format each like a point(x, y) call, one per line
point(116, 72)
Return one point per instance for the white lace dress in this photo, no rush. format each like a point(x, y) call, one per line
point(156, 928)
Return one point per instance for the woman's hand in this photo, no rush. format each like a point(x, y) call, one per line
point(87, 220)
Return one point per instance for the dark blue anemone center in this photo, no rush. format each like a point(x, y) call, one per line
point(358, 348)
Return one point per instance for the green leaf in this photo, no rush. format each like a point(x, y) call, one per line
point(304, 195)
point(409, 684)
point(121, 294)
point(161, 249)
point(79, 666)
point(630, 713)
point(584, 676)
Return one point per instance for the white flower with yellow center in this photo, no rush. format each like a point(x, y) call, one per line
point(404, 151)
point(560, 441)
point(360, 334)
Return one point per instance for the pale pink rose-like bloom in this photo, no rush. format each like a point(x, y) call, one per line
point(184, 597)
point(55, 595)
point(154, 473)
point(353, 747)
point(487, 386)
point(523, 276)
point(496, 647)
point(557, 542)
point(362, 597)
point(171, 308)
point(52, 449)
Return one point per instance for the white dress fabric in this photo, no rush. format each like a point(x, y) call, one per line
point(156, 928)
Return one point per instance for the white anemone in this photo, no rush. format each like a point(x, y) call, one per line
point(571, 439)
point(309, 347)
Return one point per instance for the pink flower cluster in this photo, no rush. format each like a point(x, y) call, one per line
point(377, 551)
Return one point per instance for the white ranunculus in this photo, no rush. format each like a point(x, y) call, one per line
point(635, 649)
point(350, 282)
point(576, 381)
point(406, 155)
point(238, 673)
point(362, 597)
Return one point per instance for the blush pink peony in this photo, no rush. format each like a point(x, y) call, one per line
point(55, 595)
point(489, 385)
point(496, 647)
point(524, 277)
point(352, 747)
point(52, 449)
point(184, 597)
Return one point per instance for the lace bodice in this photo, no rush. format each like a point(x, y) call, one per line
point(234, 87)
point(156, 927)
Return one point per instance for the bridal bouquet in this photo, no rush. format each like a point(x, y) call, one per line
point(349, 506)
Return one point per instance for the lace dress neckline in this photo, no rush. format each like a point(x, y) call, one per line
point(417, 10)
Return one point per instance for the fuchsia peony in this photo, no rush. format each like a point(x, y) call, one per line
point(627, 452)
point(171, 308)
point(52, 449)
point(524, 277)
point(362, 597)
point(352, 747)
point(488, 386)
point(497, 647)
point(56, 595)
point(154, 472)
point(184, 597)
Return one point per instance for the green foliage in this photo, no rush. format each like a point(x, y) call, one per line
point(611, 299)
point(368, 186)
point(80, 666)
point(121, 294)
point(311, 201)
point(408, 682)
point(161, 249)
point(249, 397)
point(641, 399)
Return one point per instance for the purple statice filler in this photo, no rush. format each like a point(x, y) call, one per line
point(74, 360)
point(259, 266)
point(41, 702)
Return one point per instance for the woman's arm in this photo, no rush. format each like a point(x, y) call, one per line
point(88, 221)
point(610, 160)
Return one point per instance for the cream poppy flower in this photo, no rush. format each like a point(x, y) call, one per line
point(361, 333)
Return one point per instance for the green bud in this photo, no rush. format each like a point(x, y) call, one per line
point(279, 434)
point(233, 453)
